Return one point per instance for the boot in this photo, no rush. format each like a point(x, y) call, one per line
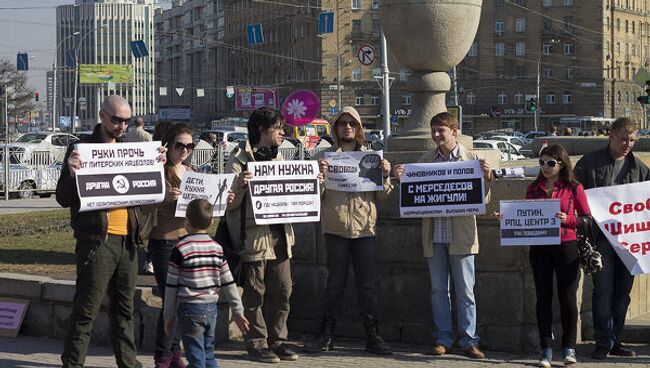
point(177, 361)
point(374, 343)
point(162, 361)
point(323, 341)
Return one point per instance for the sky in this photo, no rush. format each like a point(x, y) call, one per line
point(31, 30)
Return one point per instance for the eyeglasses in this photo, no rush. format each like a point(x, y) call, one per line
point(117, 120)
point(549, 163)
point(351, 123)
point(180, 146)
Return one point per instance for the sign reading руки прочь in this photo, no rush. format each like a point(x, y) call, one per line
point(442, 189)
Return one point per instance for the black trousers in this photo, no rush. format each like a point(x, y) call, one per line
point(564, 262)
point(340, 251)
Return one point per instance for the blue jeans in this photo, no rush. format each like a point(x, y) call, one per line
point(159, 252)
point(611, 296)
point(196, 323)
point(462, 274)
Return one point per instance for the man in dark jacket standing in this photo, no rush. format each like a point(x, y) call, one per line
point(613, 165)
point(106, 256)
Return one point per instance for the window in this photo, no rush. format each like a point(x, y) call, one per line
point(618, 24)
point(358, 100)
point(547, 3)
point(473, 51)
point(356, 4)
point(406, 100)
point(547, 49)
point(633, 50)
point(566, 97)
point(375, 100)
point(499, 27)
point(547, 72)
point(376, 26)
point(547, 24)
point(569, 26)
point(376, 72)
point(502, 98)
point(627, 29)
point(550, 98)
point(567, 2)
point(403, 75)
point(520, 71)
point(499, 49)
point(356, 74)
point(627, 97)
point(520, 25)
point(470, 98)
point(568, 49)
point(568, 73)
point(618, 49)
point(519, 98)
point(375, 4)
point(499, 3)
point(356, 25)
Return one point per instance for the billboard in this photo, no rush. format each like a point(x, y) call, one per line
point(251, 98)
point(105, 73)
point(175, 113)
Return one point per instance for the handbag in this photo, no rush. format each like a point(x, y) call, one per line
point(232, 250)
point(591, 261)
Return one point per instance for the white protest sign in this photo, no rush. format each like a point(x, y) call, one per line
point(354, 171)
point(213, 188)
point(530, 222)
point(623, 214)
point(284, 192)
point(442, 189)
point(114, 175)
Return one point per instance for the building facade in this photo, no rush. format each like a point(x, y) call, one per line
point(583, 53)
point(105, 29)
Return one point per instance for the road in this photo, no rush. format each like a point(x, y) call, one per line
point(27, 205)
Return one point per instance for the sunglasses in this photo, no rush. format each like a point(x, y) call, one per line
point(351, 123)
point(118, 120)
point(180, 146)
point(549, 163)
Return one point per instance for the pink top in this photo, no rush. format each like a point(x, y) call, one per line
point(569, 203)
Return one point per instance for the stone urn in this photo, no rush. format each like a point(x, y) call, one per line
point(429, 37)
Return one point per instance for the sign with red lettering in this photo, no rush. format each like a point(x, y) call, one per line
point(623, 214)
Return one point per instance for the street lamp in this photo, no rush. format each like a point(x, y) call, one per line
point(54, 66)
point(338, 69)
point(539, 61)
point(76, 76)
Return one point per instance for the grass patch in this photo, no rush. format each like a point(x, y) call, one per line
point(37, 243)
point(40, 243)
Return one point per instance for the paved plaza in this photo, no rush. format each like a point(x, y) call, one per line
point(33, 352)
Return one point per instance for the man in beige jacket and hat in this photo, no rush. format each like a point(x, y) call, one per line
point(349, 224)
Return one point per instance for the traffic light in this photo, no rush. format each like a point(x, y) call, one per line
point(36, 96)
point(644, 100)
point(532, 105)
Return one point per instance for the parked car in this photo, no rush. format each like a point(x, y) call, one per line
point(508, 151)
point(532, 135)
point(43, 148)
point(518, 143)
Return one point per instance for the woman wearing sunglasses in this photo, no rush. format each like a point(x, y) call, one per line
point(556, 180)
point(164, 236)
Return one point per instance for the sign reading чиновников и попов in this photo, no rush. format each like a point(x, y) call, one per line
point(442, 189)
point(354, 171)
point(114, 175)
point(530, 222)
point(283, 192)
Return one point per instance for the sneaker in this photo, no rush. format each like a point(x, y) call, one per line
point(285, 353)
point(569, 356)
point(263, 356)
point(474, 352)
point(545, 357)
point(439, 350)
point(147, 268)
point(620, 350)
point(600, 353)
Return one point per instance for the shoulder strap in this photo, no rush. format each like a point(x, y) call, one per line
point(242, 221)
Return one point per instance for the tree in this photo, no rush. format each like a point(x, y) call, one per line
point(20, 97)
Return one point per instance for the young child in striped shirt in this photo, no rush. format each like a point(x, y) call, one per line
point(197, 271)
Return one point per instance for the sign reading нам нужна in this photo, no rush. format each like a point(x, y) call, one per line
point(12, 313)
point(284, 192)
